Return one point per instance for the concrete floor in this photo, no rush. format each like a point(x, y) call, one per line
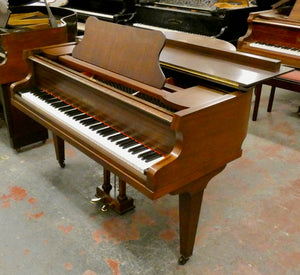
point(249, 223)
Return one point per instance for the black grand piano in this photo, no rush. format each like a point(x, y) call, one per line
point(225, 20)
point(118, 11)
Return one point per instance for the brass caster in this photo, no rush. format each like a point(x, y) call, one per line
point(182, 260)
point(105, 207)
point(95, 200)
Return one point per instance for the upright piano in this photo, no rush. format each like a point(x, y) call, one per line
point(274, 34)
point(225, 20)
point(28, 27)
point(165, 121)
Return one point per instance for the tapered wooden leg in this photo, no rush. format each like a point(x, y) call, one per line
point(271, 99)
point(59, 145)
point(257, 100)
point(190, 200)
point(189, 211)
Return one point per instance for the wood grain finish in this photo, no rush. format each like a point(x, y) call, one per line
point(139, 61)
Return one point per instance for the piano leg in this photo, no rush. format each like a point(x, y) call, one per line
point(257, 100)
point(190, 200)
point(271, 99)
point(189, 211)
point(59, 145)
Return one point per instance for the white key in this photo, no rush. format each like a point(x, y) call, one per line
point(274, 48)
point(101, 141)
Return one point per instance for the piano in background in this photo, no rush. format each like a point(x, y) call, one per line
point(117, 11)
point(13, 40)
point(225, 20)
point(274, 33)
point(164, 121)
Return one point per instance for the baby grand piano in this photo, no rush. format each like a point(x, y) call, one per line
point(164, 121)
point(260, 38)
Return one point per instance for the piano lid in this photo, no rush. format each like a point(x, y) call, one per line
point(226, 67)
point(208, 5)
point(205, 60)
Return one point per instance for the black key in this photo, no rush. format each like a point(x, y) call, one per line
point(153, 157)
point(116, 137)
point(145, 155)
point(80, 117)
point(38, 92)
point(98, 126)
point(128, 143)
point(59, 104)
point(121, 142)
point(73, 112)
point(45, 97)
point(137, 149)
point(106, 132)
point(66, 108)
point(53, 100)
point(89, 121)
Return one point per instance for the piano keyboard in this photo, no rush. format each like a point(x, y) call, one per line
point(126, 148)
point(274, 48)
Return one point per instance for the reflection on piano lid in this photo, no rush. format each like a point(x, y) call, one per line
point(260, 38)
point(163, 129)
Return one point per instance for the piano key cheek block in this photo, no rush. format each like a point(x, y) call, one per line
point(157, 121)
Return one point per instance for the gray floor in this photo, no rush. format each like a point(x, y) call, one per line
point(249, 223)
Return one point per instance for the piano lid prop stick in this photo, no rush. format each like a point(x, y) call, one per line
point(52, 19)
